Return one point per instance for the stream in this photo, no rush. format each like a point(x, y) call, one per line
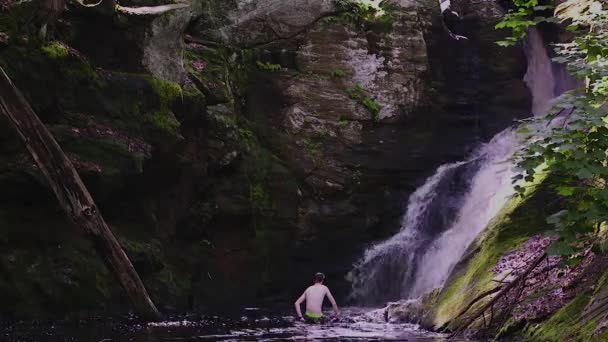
point(254, 324)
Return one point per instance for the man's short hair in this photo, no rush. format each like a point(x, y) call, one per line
point(319, 277)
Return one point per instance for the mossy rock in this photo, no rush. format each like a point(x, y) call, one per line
point(212, 71)
point(18, 18)
point(221, 71)
point(565, 325)
point(56, 79)
point(52, 76)
point(521, 219)
point(143, 104)
point(48, 268)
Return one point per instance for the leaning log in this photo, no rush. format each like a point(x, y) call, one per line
point(504, 290)
point(72, 194)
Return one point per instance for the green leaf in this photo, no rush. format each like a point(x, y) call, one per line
point(572, 28)
point(560, 248)
point(575, 261)
point(584, 174)
point(505, 43)
point(566, 190)
point(556, 218)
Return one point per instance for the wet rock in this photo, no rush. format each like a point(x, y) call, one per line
point(415, 311)
point(163, 46)
point(148, 35)
point(405, 312)
point(4, 39)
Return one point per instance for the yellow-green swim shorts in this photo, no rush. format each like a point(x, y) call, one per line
point(314, 318)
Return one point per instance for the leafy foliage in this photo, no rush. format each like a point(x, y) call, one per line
point(337, 73)
point(527, 13)
point(267, 66)
point(356, 11)
point(572, 140)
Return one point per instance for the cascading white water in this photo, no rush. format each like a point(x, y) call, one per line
point(387, 267)
point(422, 255)
point(539, 76)
point(490, 190)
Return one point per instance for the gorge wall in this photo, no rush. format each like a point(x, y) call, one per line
point(237, 147)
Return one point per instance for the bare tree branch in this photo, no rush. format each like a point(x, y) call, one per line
point(502, 293)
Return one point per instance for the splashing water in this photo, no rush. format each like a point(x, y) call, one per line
point(448, 212)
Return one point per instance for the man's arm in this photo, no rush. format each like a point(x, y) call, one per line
point(333, 302)
point(298, 303)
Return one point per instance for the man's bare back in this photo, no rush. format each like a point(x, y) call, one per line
point(314, 296)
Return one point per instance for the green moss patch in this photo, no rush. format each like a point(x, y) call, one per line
point(167, 93)
point(56, 50)
point(267, 66)
point(360, 94)
point(52, 76)
point(564, 325)
point(166, 122)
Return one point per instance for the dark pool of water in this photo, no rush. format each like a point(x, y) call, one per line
point(251, 325)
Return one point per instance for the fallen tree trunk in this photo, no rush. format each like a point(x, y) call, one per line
point(72, 194)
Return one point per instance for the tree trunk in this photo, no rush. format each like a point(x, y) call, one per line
point(72, 193)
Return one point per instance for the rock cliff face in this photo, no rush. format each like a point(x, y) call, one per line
point(236, 147)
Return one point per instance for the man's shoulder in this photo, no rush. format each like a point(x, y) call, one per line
point(317, 288)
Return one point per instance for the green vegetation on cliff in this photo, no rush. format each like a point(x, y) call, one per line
point(167, 93)
point(357, 92)
point(360, 12)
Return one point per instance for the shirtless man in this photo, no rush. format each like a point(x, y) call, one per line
point(314, 296)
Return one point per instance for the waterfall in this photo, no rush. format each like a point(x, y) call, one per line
point(386, 269)
point(490, 190)
point(447, 213)
point(539, 76)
